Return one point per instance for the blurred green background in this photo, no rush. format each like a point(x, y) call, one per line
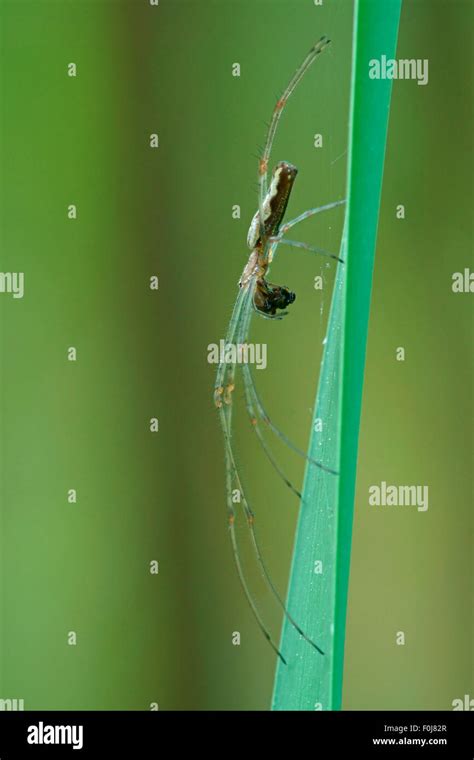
point(144, 496)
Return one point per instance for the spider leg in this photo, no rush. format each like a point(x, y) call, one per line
point(265, 417)
point(313, 249)
point(233, 475)
point(225, 418)
point(223, 400)
point(306, 215)
point(226, 415)
point(242, 338)
point(277, 112)
point(223, 369)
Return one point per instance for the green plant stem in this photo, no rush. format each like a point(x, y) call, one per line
point(318, 589)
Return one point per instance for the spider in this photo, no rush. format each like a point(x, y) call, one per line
point(257, 294)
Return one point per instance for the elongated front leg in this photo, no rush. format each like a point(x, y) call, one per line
point(313, 54)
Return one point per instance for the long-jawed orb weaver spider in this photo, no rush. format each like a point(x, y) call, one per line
point(270, 301)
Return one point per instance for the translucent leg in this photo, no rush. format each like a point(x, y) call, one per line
point(233, 475)
point(225, 415)
point(265, 417)
point(306, 215)
point(277, 112)
point(278, 240)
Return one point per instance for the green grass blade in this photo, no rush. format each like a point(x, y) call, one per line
point(317, 595)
